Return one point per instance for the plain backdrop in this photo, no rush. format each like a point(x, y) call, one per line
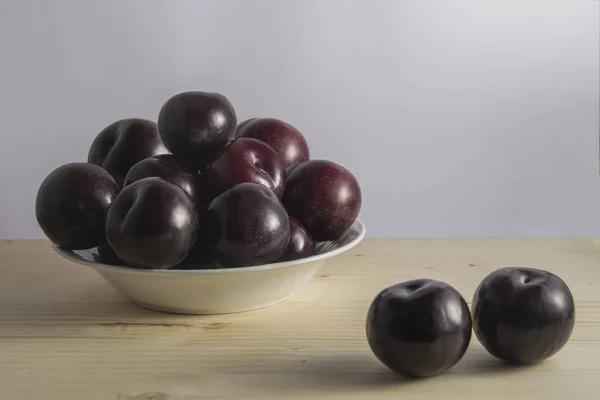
point(459, 117)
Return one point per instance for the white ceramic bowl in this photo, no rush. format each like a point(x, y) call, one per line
point(216, 291)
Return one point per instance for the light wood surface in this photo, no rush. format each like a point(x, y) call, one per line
point(66, 334)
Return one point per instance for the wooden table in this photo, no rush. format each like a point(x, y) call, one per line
point(66, 334)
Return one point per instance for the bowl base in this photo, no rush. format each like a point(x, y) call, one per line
point(193, 311)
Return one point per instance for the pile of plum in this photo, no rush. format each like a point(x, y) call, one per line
point(197, 189)
point(422, 327)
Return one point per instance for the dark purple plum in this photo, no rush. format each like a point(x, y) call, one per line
point(419, 328)
point(286, 140)
point(245, 160)
point(106, 255)
point(300, 245)
point(202, 254)
point(152, 224)
point(523, 315)
point(169, 168)
point(72, 203)
point(123, 143)
point(194, 125)
point(242, 124)
point(247, 225)
point(290, 170)
point(325, 197)
point(201, 257)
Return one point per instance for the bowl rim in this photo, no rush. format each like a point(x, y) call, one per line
point(360, 226)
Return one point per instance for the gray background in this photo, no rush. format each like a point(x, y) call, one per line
point(459, 117)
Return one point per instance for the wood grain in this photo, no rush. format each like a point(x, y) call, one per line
point(66, 334)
